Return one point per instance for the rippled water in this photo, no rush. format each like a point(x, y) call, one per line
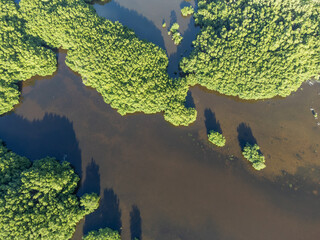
point(163, 182)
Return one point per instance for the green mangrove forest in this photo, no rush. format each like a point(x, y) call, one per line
point(130, 74)
point(255, 49)
point(252, 154)
point(37, 199)
point(22, 56)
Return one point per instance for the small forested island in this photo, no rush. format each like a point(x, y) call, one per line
point(37, 199)
point(103, 234)
point(216, 138)
point(255, 49)
point(252, 154)
point(174, 31)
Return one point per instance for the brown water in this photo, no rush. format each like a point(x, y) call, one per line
point(167, 183)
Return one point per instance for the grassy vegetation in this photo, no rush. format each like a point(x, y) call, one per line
point(21, 55)
point(255, 49)
point(103, 234)
point(217, 138)
point(130, 74)
point(37, 200)
point(253, 155)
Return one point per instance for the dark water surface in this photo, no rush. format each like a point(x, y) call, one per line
point(161, 182)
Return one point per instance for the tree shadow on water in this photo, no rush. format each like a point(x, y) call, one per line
point(143, 27)
point(245, 135)
point(51, 136)
point(92, 179)
point(135, 223)
point(189, 103)
point(211, 121)
point(107, 215)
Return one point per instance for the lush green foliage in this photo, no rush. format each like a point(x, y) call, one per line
point(37, 200)
point(217, 138)
point(103, 234)
point(255, 49)
point(252, 154)
point(130, 74)
point(21, 55)
point(176, 36)
point(188, 10)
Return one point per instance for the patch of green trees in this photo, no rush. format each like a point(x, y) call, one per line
point(37, 199)
point(188, 10)
point(252, 154)
point(130, 74)
point(174, 32)
point(216, 138)
point(103, 234)
point(255, 49)
point(21, 55)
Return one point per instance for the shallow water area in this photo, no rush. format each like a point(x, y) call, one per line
point(163, 182)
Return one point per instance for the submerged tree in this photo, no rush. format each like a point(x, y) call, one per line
point(21, 55)
point(37, 200)
point(130, 74)
point(103, 234)
point(255, 49)
point(253, 155)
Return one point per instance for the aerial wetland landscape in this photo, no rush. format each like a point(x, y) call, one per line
point(160, 120)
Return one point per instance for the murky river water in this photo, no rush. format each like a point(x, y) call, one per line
point(167, 183)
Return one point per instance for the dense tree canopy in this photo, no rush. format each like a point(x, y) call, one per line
point(21, 55)
point(130, 74)
point(253, 155)
point(103, 234)
point(217, 138)
point(255, 49)
point(37, 200)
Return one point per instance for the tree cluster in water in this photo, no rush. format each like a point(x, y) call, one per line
point(103, 234)
point(255, 49)
point(216, 138)
point(37, 200)
point(130, 74)
point(252, 154)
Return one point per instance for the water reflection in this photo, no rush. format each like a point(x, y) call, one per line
point(245, 135)
point(135, 223)
point(52, 136)
point(211, 121)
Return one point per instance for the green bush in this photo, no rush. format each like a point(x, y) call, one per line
point(217, 138)
point(37, 200)
point(103, 234)
point(255, 49)
point(130, 74)
point(252, 154)
point(188, 10)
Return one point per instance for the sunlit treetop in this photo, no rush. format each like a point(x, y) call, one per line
point(255, 49)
